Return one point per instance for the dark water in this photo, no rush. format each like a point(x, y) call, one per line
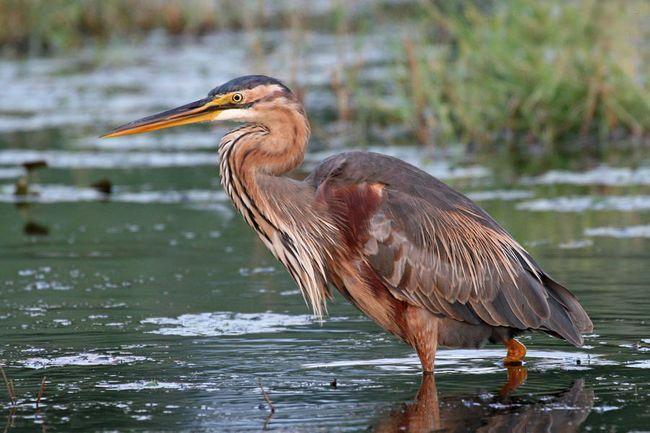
point(157, 309)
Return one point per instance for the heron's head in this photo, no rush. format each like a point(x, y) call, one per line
point(251, 98)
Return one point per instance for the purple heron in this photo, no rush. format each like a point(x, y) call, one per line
point(419, 258)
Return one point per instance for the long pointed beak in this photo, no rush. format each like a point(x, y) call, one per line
point(202, 110)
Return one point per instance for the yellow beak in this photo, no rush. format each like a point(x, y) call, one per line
point(202, 110)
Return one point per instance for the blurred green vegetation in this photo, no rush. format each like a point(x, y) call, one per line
point(525, 72)
point(46, 26)
point(526, 76)
point(40, 27)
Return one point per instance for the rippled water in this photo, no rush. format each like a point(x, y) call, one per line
point(155, 308)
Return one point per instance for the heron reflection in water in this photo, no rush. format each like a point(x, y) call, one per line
point(422, 260)
point(563, 411)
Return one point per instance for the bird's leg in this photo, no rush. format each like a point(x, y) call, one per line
point(516, 377)
point(425, 343)
point(427, 355)
point(422, 334)
point(516, 353)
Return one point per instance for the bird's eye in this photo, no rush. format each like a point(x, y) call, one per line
point(237, 97)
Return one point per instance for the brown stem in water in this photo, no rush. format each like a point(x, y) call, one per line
point(11, 391)
point(266, 396)
point(40, 392)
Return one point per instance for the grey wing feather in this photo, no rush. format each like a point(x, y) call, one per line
point(436, 249)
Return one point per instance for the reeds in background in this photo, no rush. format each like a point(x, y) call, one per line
point(533, 77)
point(38, 27)
point(530, 73)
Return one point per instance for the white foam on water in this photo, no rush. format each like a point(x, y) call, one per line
point(53, 193)
point(620, 232)
point(46, 285)
point(247, 272)
point(603, 175)
point(49, 194)
point(639, 364)
point(455, 360)
point(131, 159)
point(225, 323)
point(443, 170)
point(289, 292)
point(189, 196)
point(11, 172)
point(397, 362)
point(601, 409)
point(625, 203)
point(185, 140)
point(500, 194)
point(81, 359)
point(576, 244)
point(225, 211)
point(153, 384)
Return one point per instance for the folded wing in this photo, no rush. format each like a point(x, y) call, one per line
point(435, 248)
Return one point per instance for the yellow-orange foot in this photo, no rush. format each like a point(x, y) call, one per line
point(516, 377)
point(516, 353)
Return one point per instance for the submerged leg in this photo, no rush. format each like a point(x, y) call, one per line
point(516, 377)
point(516, 352)
point(420, 415)
point(424, 414)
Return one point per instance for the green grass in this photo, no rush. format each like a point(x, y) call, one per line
point(532, 77)
point(33, 27)
point(37, 26)
point(537, 76)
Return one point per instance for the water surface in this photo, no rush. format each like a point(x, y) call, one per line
point(156, 308)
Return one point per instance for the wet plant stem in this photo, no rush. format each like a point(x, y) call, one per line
point(11, 390)
point(265, 395)
point(41, 391)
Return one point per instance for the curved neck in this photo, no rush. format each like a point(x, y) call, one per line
point(252, 156)
point(281, 210)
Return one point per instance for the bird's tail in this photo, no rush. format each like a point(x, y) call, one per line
point(567, 319)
